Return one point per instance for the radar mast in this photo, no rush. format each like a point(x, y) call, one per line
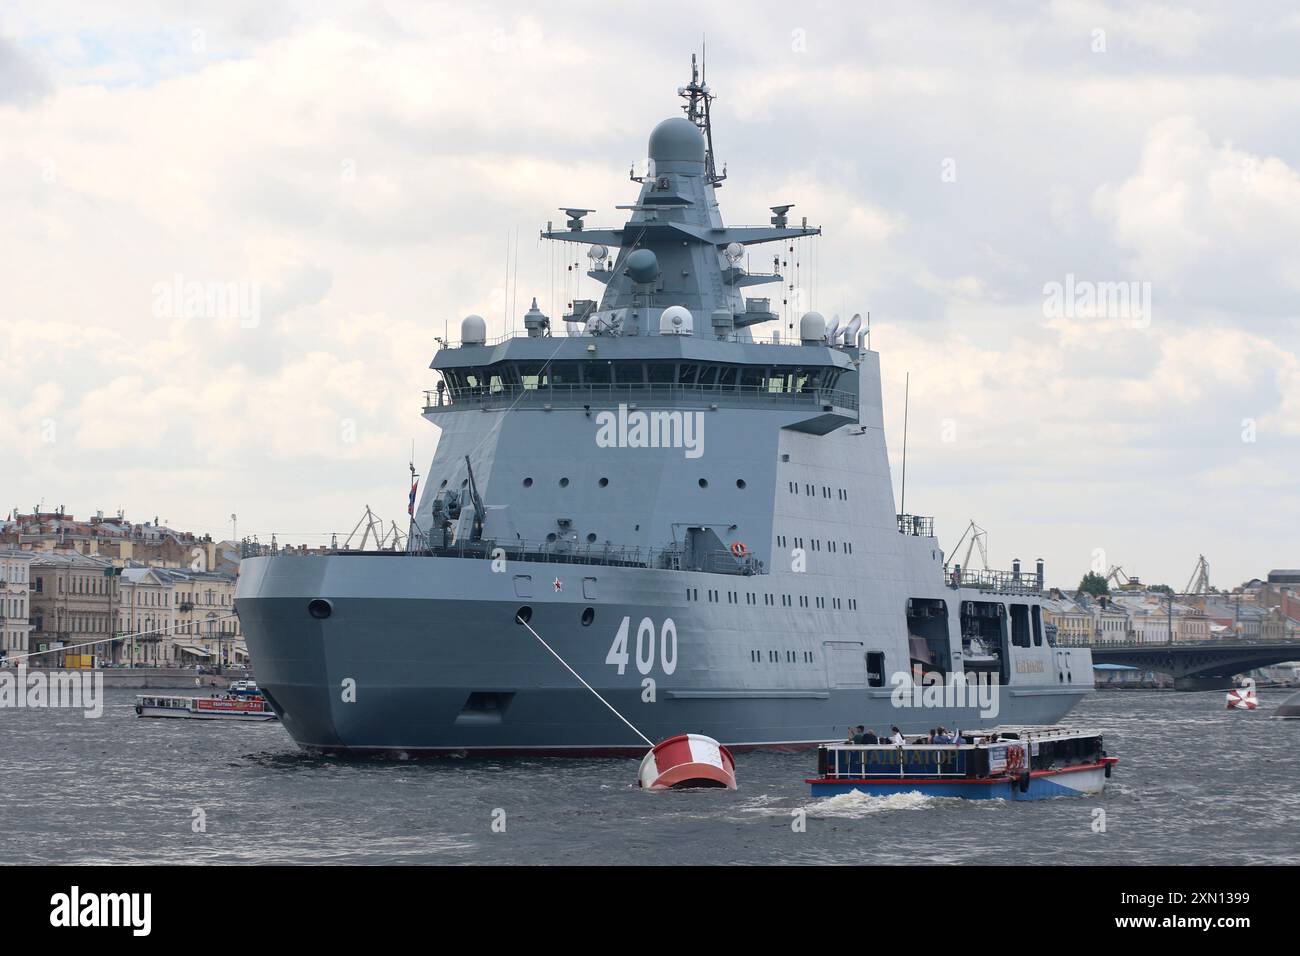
point(698, 96)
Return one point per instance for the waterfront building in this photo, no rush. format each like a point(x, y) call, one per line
point(1111, 622)
point(73, 600)
point(144, 618)
point(15, 584)
point(206, 630)
point(1073, 623)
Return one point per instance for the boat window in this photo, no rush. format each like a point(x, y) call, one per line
point(727, 377)
point(927, 633)
point(596, 373)
point(662, 373)
point(629, 373)
point(686, 373)
point(1020, 625)
point(875, 668)
point(751, 378)
point(1036, 616)
point(563, 373)
point(530, 374)
point(708, 376)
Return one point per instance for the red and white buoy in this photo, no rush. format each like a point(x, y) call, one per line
point(1242, 699)
point(688, 760)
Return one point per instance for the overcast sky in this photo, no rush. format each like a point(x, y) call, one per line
point(361, 166)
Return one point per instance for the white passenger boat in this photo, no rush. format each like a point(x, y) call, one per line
point(224, 707)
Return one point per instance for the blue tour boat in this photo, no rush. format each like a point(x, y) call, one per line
point(1006, 763)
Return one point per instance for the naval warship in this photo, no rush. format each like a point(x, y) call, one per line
point(692, 508)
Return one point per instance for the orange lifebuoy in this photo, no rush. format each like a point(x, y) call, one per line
point(1015, 757)
point(738, 549)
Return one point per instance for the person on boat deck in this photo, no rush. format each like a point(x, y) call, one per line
point(848, 739)
point(897, 738)
point(870, 738)
point(930, 738)
point(857, 737)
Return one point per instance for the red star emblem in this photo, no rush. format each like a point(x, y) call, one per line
point(559, 585)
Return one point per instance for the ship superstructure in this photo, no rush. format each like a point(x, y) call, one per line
point(695, 512)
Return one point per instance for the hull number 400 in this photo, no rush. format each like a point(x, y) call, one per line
point(652, 645)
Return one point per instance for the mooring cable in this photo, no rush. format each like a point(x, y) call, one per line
point(613, 710)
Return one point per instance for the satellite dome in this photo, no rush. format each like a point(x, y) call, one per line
point(643, 265)
point(812, 327)
point(676, 140)
point(473, 330)
point(676, 320)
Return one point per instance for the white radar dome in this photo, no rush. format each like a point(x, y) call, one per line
point(812, 327)
point(473, 330)
point(676, 320)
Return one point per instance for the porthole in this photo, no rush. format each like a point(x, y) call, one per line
point(444, 483)
point(528, 482)
point(591, 537)
point(320, 609)
point(564, 482)
point(551, 536)
point(704, 482)
point(588, 616)
point(740, 483)
point(604, 482)
point(523, 615)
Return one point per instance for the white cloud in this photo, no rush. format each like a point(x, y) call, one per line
point(364, 170)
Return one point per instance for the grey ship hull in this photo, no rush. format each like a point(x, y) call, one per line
point(780, 591)
point(420, 636)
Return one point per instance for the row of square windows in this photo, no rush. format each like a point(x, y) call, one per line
point(773, 657)
point(770, 600)
point(811, 490)
point(835, 547)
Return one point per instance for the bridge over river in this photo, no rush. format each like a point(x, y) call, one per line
point(1203, 665)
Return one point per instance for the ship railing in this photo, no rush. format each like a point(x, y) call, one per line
point(676, 558)
point(581, 396)
point(1002, 582)
point(937, 761)
point(917, 525)
point(738, 336)
point(1074, 640)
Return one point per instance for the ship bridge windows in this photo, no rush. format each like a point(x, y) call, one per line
point(661, 373)
point(629, 373)
point(597, 373)
point(750, 379)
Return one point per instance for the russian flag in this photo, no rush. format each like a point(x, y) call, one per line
point(410, 503)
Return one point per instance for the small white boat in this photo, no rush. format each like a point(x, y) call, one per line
point(225, 707)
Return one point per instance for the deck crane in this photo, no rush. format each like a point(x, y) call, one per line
point(1122, 581)
point(1199, 583)
point(978, 538)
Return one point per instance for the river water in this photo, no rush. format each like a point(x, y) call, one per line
point(1196, 783)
